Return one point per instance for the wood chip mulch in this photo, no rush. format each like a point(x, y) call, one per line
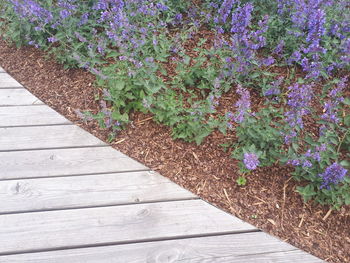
point(269, 200)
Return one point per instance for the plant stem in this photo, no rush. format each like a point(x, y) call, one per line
point(342, 140)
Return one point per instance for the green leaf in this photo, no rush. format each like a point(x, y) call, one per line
point(347, 101)
point(307, 192)
point(187, 60)
point(347, 120)
point(118, 84)
point(124, 117)
point(333, 140)
point(345, 163)
point(241, 181)
point(347, 200)
point(295, 147)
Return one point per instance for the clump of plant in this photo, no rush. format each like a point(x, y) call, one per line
point(148, 56)
point(320, 160)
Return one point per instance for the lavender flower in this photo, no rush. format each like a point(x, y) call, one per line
point(268, 61)
point(333, 174)
point(294, 162)
point(241, 18)
point(251, 161)
point(224, 11)
point(84, 19)
point(275, 87)
point(299, 99)
point(316, 26)
point(80, 37)
point(316, 153)
point(98, 73)
point(52, 39)
point(64, 13)
point(242, 105)
point(146, 104)
point(279, 48)
point(313, 22)
point(307, 164)
point(82, 116)
point(330, 114)
point(345, 50)
point(178, 19)
point(32, 10)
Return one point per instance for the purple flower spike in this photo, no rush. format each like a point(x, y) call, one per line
point(251, 161)
point(331, 105)
point(224, 11)
point(243, 105)
point(332, 175)
point(299, 99)
point(241, 18)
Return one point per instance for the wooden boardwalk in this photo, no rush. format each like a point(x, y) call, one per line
point(67, 197)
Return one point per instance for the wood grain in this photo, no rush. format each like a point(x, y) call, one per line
point(6, 81)
point(129, 223)
point(54, 162)
point(17, 97)
point(237, 248)
point(30, 115)
point(43, 137)
point(87, 191)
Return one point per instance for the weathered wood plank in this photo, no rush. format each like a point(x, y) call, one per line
point(237, 248)
point(129, 223)
point(17, 97)
point(30, 115)
point(87, 191)
point(43, 137)
point(60, 162)
point(54, 162)
point(6, 81)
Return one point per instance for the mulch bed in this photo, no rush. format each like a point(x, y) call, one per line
point(269, 200)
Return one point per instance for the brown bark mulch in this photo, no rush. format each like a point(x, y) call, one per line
point(268, 201)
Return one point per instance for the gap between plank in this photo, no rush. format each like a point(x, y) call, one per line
point(73, 175)
point(55, 148)
point(16, 87)
point(267, 253)
point(136, 241)
point(36, 125)
point(24, 105)
point(101, 206)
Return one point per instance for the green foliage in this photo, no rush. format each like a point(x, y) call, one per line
point(260, 133)
point(153, 56)
point(241, 181)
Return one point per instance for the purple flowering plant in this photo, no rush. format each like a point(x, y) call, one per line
point(280, 51)
point(321, 161)
point(258, 133)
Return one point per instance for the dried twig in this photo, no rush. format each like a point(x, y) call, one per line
point(195, 156)
point(258, 198)
point(327, 215)
point(229, 200)
point(120, 141)
point(301, 221)
point(147, 154)
point(144, 120)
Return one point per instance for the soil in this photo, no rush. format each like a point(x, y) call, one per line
point(268, 201)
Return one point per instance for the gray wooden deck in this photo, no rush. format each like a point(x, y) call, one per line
point(66, 196)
